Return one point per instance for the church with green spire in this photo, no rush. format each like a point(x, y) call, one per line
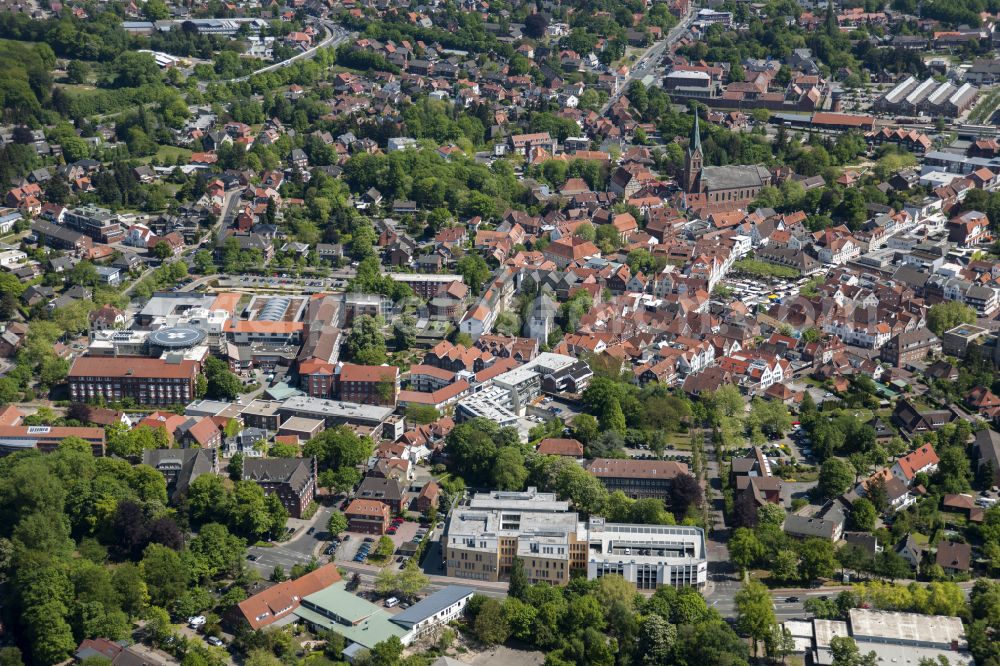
point(693, 159)
point(718, 188)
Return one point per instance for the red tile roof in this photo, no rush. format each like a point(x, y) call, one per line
point(93, 366)
point(917, 460)
point(560, 447)
point(277, 602)
point(367, 507)
point(431, 491)
point(204, 431)
point(350, 372)
point(640, 469)
point(10, 416)
point(436, 397)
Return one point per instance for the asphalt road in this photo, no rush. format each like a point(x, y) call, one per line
point(722, 599)
point(334, 36)
point(650, 61)
point(299, 549)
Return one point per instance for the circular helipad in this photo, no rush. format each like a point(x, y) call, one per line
point(177, 337)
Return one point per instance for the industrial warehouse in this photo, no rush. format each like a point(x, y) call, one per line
point(928, 97)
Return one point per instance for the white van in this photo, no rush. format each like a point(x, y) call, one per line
point(391, 601)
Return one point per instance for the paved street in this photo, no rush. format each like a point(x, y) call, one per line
point(299, 549)
point(649, 62)
point(335, 35)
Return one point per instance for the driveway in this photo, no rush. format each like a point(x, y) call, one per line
point(791, 490)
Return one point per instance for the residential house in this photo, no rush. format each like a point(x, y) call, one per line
point(429, 496)
point(388, 490)
point(367, 516)
point(954, 558)
point(807, 527)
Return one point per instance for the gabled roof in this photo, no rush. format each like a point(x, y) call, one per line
point(275, 602)
point(367, 507)
point(951, 555)
point(560, 447)
point(296, 472)
point(913, 462)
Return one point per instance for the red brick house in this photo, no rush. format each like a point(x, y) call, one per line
point(984, 402)
point(429, 496)
point(367, 516)
point(317, 377)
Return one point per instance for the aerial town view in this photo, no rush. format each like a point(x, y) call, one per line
point(500, 333)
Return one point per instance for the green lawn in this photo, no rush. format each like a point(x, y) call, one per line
point(679, 440)
point(168, 154)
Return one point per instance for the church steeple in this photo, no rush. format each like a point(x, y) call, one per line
point(695, 143)
point(693, 159)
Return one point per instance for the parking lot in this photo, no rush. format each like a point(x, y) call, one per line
point(284, 281)
point(645, 454)
point(760, 291)
point(348, 549)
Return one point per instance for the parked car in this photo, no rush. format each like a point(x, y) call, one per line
point(391, 601)
point(196, 621)
point(214, 640)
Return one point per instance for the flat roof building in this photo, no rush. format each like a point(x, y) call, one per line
point(648, 556)
point(904, 639)
point(336, 412)
point(14, 438)
point(485, 535)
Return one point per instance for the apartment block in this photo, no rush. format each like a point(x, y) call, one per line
point(100, 224)
point(648, 556)
point(486, 535)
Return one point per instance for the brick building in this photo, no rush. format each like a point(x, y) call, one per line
point(369, 384)
point(367, 516)
point(148, 381)
point(429, 496)
point(293, 479)
point(909, 347)
point(639, 479)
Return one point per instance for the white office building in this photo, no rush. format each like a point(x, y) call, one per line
point(648, 556)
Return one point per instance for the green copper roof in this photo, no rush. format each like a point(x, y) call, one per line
point(695, 143)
